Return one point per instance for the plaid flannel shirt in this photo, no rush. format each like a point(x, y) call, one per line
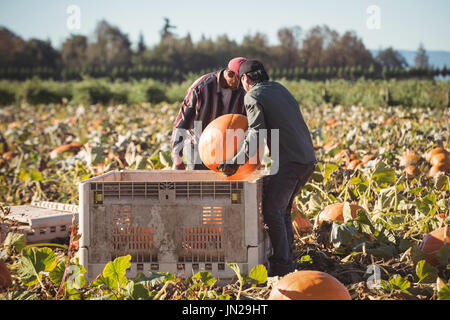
point(203, 102)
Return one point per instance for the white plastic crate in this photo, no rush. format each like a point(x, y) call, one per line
point(41, 221)
point(171, 221)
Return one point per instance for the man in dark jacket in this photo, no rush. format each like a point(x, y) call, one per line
point(210, 96)
point(269, 105)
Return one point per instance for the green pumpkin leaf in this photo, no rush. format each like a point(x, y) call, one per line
point(443, 255)
point(33, 262)
point(400, 283)
point(259, 274)
point(383, 175)
point(426, 272)
point(205, 277)
point(136, 291)
point(114, 272)
point(329, 169)
point(444, 293)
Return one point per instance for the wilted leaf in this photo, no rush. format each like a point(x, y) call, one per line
point(347, 212)
point(236, 270)
point(14, 241)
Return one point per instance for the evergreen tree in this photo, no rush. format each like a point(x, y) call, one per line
point(421, 59)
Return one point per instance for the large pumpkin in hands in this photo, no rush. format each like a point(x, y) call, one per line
point(434, 241)
point(309, 285)
point(221, 140)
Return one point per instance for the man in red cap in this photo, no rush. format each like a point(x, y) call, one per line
point(209, 97)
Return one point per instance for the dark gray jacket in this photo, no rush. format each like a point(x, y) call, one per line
point(269, 105)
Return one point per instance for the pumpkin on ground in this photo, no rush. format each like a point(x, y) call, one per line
point(431, 153)
point(221, 140)
point(5, 276)
point(335, 212)
point(434, 241)
point(354, 164)
point(309, 285)
point(73, 147)
point(439, 158)
point(412, 171)
point(440, 167)
point(408, 158)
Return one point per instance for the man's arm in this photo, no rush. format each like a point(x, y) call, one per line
point(249, 148)
point(183, 123)
point(256, 122)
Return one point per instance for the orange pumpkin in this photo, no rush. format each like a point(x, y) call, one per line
point(367, 158)
point(335, 212)
point(434, 241)
point(5, 276)
point(9, 155)
point(431, 153)
point(309, 285)
point(412, 171)
point(408, 158)
point(440, 167)
point(354, 165)
point(221, 140)
point(73, 147)
point(439, 158)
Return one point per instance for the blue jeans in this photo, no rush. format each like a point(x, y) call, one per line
point(279, 191)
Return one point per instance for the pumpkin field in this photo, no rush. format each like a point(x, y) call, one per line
point(373, 218)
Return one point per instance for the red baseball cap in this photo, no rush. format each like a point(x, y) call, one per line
point(235, 64)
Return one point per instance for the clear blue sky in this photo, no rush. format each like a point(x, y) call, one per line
point(404, 23)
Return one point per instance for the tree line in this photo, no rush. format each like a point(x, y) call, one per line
point(316, 54)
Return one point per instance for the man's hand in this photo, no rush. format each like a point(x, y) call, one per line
point(228, 168)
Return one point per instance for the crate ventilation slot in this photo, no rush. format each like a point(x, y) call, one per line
point(212, 215)
point(137, 241)
point(151, 190)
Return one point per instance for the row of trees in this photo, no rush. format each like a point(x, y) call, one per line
point(167, 74)
point(316, 54)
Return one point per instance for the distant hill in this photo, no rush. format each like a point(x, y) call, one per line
point(435, 58)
